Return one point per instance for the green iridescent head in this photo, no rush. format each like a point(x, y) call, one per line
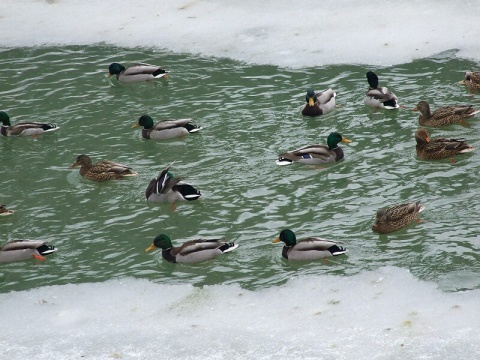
point(4, 118)
point(115, 69)
point(145, 121)
point(162, 241)
point(287, 236)
point(310, 93)
point(334, 138)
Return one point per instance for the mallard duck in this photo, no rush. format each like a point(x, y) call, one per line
point(24, 128)
point(136, 73)
point(445, 115)
point(4, 211)
point(393, 218)
point(311, 248)
point(18, 250)
point(191, 252)
point(379, 96)
point(102, 170)
point(439, 148)
point(319, 103)
point(472, 81)
point(166, 129)
point(316, 154)
point(167, 188)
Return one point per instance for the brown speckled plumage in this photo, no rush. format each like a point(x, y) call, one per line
point(102, 170)
point(445, 115)
point(439, 148)
point(395, 217)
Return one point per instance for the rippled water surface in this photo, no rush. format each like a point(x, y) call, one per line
point(249, 114)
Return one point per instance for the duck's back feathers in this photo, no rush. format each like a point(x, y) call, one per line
point(393, 218)
point(444, 115)
point(439, 148)
point(18, 250)
point(196, 251)
point(102, 170)
point(319, 103)
point(167, 188)
point(28, 128)
point(311, 155)
point(379, 96)
point(312, 248)
point(168, 129)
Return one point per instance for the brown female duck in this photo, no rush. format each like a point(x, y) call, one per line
point(393, 218)
point(439, 148)
point(102, 170)
point(445, 115)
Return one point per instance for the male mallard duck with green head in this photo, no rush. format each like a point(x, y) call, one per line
point(319, 103)
point(165, 129)
point(445, 115)
point(24, 128)
point(439, 148)
point(193, 251)
point(472, 81)
point(167, 188)
point(136, 73)
point(316, 154)
point(396, 217)
point(19, 250)
point(311, 248)
point(379, 96)
point(102, 170)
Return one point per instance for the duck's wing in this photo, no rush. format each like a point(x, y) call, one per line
point(170, 124)
point(439, 144)
point(383, 95)
point(325, 96)
point(162, 184)
point(139, 69)
point(22, 245)
point(197, 245)
point(107, 166)
point(317, 151)
point(399, 211)
point(313, 243)
point(30, 128)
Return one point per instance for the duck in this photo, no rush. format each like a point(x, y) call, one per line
point(136, 72)
point(393, 218)
point(19, 250)
point(167, 188)
point(24, 128)
point(4, 211)
point(165, 129)
point(439, 148)
point(103, 170)
point(319, 103)
point(191, 252)
point(379, 96)
point(316, 154)
point(310, 248)
point(471, 81)
point(444, 115)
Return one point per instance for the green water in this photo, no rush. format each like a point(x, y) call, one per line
point(250, 113)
